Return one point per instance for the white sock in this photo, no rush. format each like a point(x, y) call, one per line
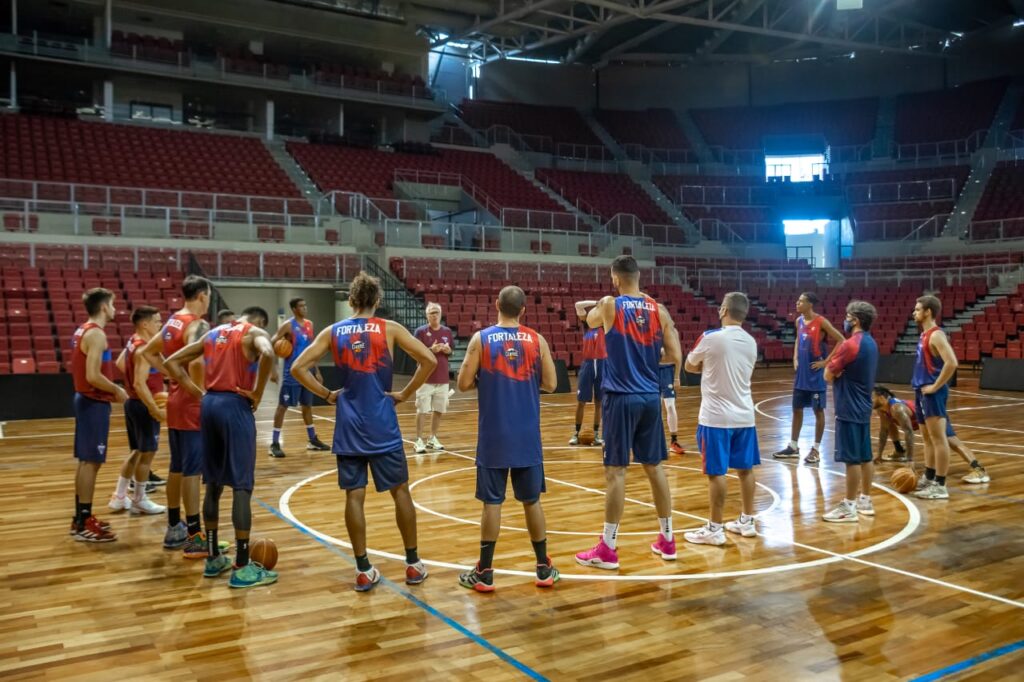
point(611, 533)
point(793, 444)
point(122, 486)
point(863, 498)
point(714, 527)
point(817, 446)
point(744, 519)
point(850, 504)
point(140, 490)
point(666, 527)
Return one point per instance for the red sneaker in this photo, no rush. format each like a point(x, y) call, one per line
point(676, 448)
point(94, 530)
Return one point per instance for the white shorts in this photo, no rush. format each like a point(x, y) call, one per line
point(432, 398)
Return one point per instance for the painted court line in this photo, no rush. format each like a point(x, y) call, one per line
point(970, 662)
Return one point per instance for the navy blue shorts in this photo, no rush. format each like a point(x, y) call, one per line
point(632, 423)
point(92, 426)
point(227, 431)
point(588, 381)
point(293, 394)
point(667, 380)
point(853, 442)
point(816, 400)
point(143, 430)
point(527, 484)
point(933, 405)
point(186, 451)
point(389, 471)
point(950, 433)
point(722, 449)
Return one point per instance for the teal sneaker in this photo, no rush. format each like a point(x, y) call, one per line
point(216, 566)
point(251, 575)
point(176, 536)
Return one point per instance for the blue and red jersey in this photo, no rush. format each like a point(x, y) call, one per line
point(811, 347)
point(928, 366)
point(366, 422)
point(508, 384)
point(226, 369)
point(78, 358)
point(155, 380)
point(909, 404)
point(593, 344)
point(633, 345)
point(302, 337)
point(854, 365)
point(182, 406)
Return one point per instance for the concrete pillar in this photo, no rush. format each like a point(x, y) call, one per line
point(108, 24)
point(14, 17)
point(108, 100)
point(270, 120)
point(14, 86)
point(341, 118)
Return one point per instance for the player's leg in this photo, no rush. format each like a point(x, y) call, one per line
point(176, 534)
point(928, 477)
point(598, 440)
point(586, 391)
point(714, 445)
point(216, 561)
point(792, 449)
point(195, 546)
point(491, 484)
point(853, 445)
point(528, 485)
point(92, 426)
point(283, 398)
point(935, 428)
point(665, 544)
point(649, 451)
point(352, 478)
point(672, 421)
point(814, 456)
point(120, 500)
point(978, 474)
point(579, 423)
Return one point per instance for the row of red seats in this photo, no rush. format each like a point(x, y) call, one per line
point(561, 124)
point(608, 193)
point(1004, 193)
point(651, 128)
point(951, 114)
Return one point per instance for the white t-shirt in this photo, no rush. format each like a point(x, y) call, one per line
point(729, 355)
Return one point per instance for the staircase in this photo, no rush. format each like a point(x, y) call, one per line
point(294, 172)
point(983, 163)
point(908, 340)
point(602, 134)
point(664, 203)
point(697, 142)
point(885, 125)
point(452, 116)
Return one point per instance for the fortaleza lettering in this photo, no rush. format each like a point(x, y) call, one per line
point(509, 336)
point(345, 330)
point(639, 305)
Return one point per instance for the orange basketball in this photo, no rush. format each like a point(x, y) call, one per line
point(586, 437)
point(283, 348)
point(264, 552)
point(160, 399)
point(904, 480)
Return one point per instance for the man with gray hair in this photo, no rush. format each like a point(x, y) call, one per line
point(726, 436)
point(852, 373)
point(432, 397)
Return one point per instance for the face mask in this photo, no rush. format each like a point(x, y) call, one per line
point(847, 326)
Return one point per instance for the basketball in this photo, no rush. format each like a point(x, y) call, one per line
point(264, 552)
point(903, 480)
point(283, 348)
point(586, 437)
point(160, 399)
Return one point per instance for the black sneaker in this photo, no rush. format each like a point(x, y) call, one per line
point(789, 453)
point(318, 445)
point(154, 480)
point(276, 451)
point(480, 581)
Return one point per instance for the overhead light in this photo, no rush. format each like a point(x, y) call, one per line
point(849, 4)
point(534, 60)
point(1017, 23)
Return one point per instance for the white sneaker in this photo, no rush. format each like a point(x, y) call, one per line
point(435, 443)
point(705, 536)
point(978, 475)
point(119, 503)
point(747, 530)
point(922, 483)
point(146, 506)
point(842, 514)
point(575, 440)
point(933, 492)
point(865, 506)
point(420, 447)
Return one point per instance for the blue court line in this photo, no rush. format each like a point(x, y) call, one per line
point(970, 662)
point(453, 624)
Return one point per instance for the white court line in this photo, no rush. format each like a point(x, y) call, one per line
point(990, 397)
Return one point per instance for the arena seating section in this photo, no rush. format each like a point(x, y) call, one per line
point(841, 122)
point(994, 331)
point(1003, 199)
point(560, 124)
point(608, 193)
point(952, 114)
point(900, 197)
point(652, 128)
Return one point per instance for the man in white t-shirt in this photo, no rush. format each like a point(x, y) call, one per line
point(725, 359)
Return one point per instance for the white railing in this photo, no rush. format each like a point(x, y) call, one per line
point(523, 142)
point(725, 195)
point(586, 152)
point(509, 271)
point(911, 229)
point(650, 156)
point(904, 190)
point(836, 278)
point(1014, 140)
point(754, 233)
point(661, 235)
point(849, 153)
point(956, 150)
point(995, 230)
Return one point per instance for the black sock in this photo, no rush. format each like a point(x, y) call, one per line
point(363, 563)
point(77, 520)
point(192, 521)
point(940, 480)
point(411, 556)
point(487, 554)
point(675, 438)
point(929, 474)
point(241, 552)
point(173, 516)
point(975, 464)
point(212, 548)
point(597, 429)
point(540, 549)
point(578, 427)
point(84, 512)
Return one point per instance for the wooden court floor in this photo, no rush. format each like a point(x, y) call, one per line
point(922, 587)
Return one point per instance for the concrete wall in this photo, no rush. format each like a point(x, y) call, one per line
point(570, 86)
point(128, 89)
point(274, 299)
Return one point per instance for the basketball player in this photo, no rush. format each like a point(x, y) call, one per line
point(92, 369)
point(238, 358)
point(851, 371)
point(299, 330)
point(225, 316)
point(182, 328)
point(933, 369)
point(432, 397)
point(366, 432)
point(588, 379)
point(668, 376)
point(142, 416)
point(725, 358)
point(635, 326)
point(810, 355)
point(896, 414)
point(509, 364)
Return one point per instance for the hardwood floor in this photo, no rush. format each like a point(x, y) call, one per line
point(922, 586)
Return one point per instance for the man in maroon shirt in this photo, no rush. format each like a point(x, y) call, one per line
point(432, 397)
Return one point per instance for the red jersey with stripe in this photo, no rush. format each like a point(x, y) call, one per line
point(928, 366)
point(810, 340)
point(155, 380)
point(182, 406)
point(593, 344)
point(226, 367)
point(909, 404)
point(633, 345)
point(78, 359)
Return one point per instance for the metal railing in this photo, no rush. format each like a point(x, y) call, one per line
point(908, 190)
point(995, 230)
point(725, 195)
point(755, 233)
point(660, 235)
point(909, 229)
point(837, 278)
point(649, 156)
point(511, 271)
point(956, 150)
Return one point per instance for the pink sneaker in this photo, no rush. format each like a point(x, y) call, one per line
point(664, 548)
point(601, 556)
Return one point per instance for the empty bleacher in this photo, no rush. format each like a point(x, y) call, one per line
point(556, 125)
point(947, 115)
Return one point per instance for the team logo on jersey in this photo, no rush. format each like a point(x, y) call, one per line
point(640, 321)
point(358, 346)
point(511, 354)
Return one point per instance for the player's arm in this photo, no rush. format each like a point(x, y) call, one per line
point(153, 352)
point(883, 435)
point(940, 344)
point(141, 387)
point(119, 363)
point(94, 342)
point(796, 355)
point(695, 359)
point(307, 360)
point(582, 307)
point(195, 332)
point(179, 367)
point(470, 365)
point(840, 359)
point(283, 331)
point(602, 314)
point(425, 360)
point(259, 345)
point(548, 377)
point(907, 426)
point(837, 340)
